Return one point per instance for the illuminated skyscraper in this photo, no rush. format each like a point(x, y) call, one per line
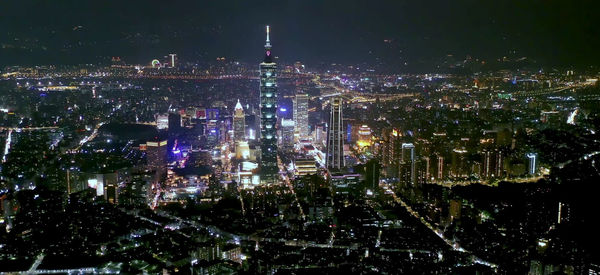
point(301, 114)
point(287, 133)
point(268, 117)
point(487, 164)
point(440, 168)
point(458, 163)
point(335, 135)
point(156, 157)
point(532, 165)
point(391, 151)
point(239, 123)
point(408, 173)
point(172, 59)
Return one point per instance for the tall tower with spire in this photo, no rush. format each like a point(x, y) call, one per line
point(269, 171)
point(239, 123)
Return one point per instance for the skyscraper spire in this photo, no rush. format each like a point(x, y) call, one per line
point(238, 105)
point(268, 58)
point(239, 123)
point(268, 44)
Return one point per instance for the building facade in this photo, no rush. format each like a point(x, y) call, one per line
point(239, 123)
point(407, 166)
point(335, 135)
point(287, 133)
point(301, 115)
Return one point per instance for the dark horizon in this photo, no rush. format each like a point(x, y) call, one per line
point(550, 33)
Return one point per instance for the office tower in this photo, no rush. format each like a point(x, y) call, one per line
point(487, 163)
point(499, 171)
point(424, 176)
point(532, 163)
point(408, 173)
point(287, 133)
point(239, 123)
point(156, 157)
point(440, 167)
point(301, 115)
point(268, 117)
point(224, 126)
point(391, 151)
point(211, 131)
point(335, 136)
point(458, 165)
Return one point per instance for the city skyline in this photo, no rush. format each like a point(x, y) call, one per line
point(368, 138)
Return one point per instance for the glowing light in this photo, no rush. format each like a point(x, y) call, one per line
point(92, 183)
point(571, 118)
point(268, 29)
point(7, 145)
point(363, 143)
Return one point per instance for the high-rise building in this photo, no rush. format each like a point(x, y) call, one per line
point(172, 59)
point(458, 164)
point(319, 135)
point(391, 151)
point(211, 131)
point(408, 173)
point(335, 135)
point(499, 169)
point(301, 115)
point(424, 170)
point(268, 117)
point(239, 123)
point(488, 162)
point(532, 163)
point(156, 154)
point(156, 157)
point(287, 133)
point(440, 167)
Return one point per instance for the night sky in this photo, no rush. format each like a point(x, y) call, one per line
point(562, 33)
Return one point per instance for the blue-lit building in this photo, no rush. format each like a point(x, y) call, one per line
point(269, 171)
point(532, 163)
